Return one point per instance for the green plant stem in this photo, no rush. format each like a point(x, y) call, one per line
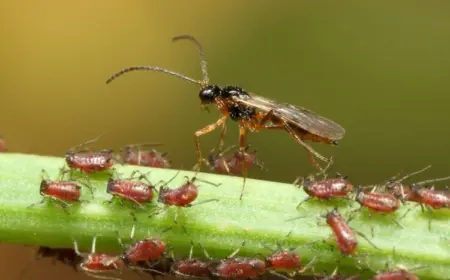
point(259, 219)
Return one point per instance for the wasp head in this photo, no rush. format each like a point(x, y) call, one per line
point(209, 93)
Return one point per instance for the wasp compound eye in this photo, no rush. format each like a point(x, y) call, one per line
point(209, 93)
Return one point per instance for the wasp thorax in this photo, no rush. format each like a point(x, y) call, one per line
point(209, 93)
point(230, 91)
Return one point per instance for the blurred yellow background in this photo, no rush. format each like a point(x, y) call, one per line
point(380, 69)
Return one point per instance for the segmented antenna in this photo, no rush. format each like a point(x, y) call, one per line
point(200, 52)
point(152, 68)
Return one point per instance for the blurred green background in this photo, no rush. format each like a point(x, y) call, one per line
point(381, 69)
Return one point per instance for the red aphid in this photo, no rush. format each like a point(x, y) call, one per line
point(378, 202)
point(60, 190)
point(433, 198)
point(182, 196)
point(329, 188)
point(343, 234)
point(233, 164)
point(132, 190)
point(90, 161)
point(132, 154)
point(400, 274)
point(239, 268)
point(283, 260)
point(326, 189)
point(191, 268)
point(149, 249)
point(96, 263)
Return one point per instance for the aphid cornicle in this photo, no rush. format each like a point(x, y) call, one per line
point(252, 112)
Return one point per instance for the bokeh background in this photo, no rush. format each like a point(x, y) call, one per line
point(381, 69)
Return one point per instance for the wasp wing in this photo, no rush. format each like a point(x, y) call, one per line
point(295, 116)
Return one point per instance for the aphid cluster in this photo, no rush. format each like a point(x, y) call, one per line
point(253, 113)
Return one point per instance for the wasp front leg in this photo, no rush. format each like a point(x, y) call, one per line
point(207, 129)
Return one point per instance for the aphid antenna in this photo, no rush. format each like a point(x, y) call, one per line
point(193, 179)
point(432, 181)
point(412, 174)
point(165, 183)
point(133, 146)
point(366, 238)
point(77, 147)
point(232, 255)
point(296, 218)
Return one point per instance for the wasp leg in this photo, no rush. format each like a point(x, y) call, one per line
point(207, 129)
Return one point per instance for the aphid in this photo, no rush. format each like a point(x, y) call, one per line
point(134, 155)
point(191, 267)
point(383, 203)
point(129, 189)
point(223, 164)
point(94, 264)
point(3, 145)
point(88, 161)
point(145, 250)
point(400, 273)
point(326, 189)
point(64, 192)
point(397, 188)
point(430, 197)
point(344, 235)
point(239, 268)
point(285, 260)
point(182, 196)
point(252, 112)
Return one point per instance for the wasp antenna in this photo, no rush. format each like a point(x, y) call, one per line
point(152, 68)
point(203, 64)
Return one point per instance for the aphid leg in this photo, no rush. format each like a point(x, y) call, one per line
point(40, 202)
point(242, 138)
point(201, 180)
point(308, 265)
point(304, 200)
point(165, 183)
point(44, 175)
point(236, 251)
point(202, 202)
point(205, 252)
point(207, 129)
point(367, 239)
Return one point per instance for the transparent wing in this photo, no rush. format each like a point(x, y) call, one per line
point(295, 116)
